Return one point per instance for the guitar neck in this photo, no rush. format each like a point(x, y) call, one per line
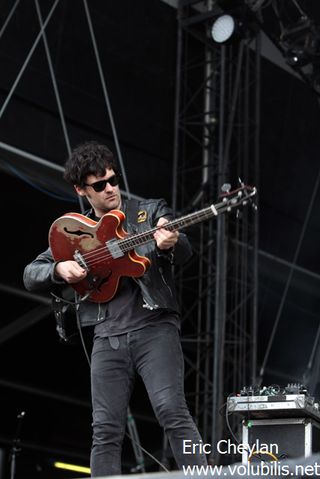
point(232, 200)
point(145, 237)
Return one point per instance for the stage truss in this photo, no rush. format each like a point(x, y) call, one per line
point(216, 142)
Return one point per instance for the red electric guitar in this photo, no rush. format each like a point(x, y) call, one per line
point(107, 252)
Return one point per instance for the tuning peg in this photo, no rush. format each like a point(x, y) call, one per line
point(226, 187)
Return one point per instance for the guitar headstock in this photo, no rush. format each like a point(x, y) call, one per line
point(230, 199)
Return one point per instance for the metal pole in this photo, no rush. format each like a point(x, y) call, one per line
point(177, 115)
point(220, 287)
point(25, 64)
point(106, 97)
point(255, 221)
point(13, 9)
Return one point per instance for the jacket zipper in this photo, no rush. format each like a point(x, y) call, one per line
point(163, 279)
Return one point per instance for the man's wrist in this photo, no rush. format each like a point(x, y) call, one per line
point(168, 253)
point(55, 276)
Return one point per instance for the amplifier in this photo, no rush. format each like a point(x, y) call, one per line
point(279, 439)
point(281, 406)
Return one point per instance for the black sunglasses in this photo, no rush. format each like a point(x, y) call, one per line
point(100, 185)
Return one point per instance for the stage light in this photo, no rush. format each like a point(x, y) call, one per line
point(223, 28)
point(234, 25)
point(297, 57)
point(71, 467)
point(300, 43)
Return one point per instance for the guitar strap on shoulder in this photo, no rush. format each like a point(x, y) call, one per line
point(132, 211)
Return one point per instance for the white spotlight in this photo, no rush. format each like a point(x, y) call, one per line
point(222, 28)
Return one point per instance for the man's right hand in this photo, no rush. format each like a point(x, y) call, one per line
point(70, 271)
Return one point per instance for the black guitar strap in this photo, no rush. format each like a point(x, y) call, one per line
point(132, 210)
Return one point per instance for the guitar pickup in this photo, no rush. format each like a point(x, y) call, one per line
point(114, 249)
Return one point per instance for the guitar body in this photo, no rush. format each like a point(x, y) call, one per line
point(76, 237)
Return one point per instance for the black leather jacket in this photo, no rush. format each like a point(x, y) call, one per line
point(157, 285)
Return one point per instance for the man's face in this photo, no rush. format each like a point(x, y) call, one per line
point(107, 199)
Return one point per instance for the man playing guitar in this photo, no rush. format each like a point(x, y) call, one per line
point(128, 297)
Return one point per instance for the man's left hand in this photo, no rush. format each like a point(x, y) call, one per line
point(165, 239)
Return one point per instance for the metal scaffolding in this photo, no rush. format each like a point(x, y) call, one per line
point(216, 142)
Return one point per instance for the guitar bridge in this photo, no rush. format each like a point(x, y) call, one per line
point(80, 260)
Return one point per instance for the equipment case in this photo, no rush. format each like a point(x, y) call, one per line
point(294, 437)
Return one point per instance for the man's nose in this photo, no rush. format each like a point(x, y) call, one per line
point(108, 187)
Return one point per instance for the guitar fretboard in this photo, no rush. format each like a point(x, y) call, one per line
point(230, 201)
point(130, 242)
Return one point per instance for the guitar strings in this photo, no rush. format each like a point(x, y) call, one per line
point(127, 244)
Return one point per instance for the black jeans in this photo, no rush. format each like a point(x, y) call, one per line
point(155, 353)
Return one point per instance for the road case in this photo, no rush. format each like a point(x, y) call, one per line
point(279, 438)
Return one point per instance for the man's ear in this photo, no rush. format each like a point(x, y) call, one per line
point(79, 190)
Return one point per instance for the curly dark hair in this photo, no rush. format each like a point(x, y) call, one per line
point(89, 158)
